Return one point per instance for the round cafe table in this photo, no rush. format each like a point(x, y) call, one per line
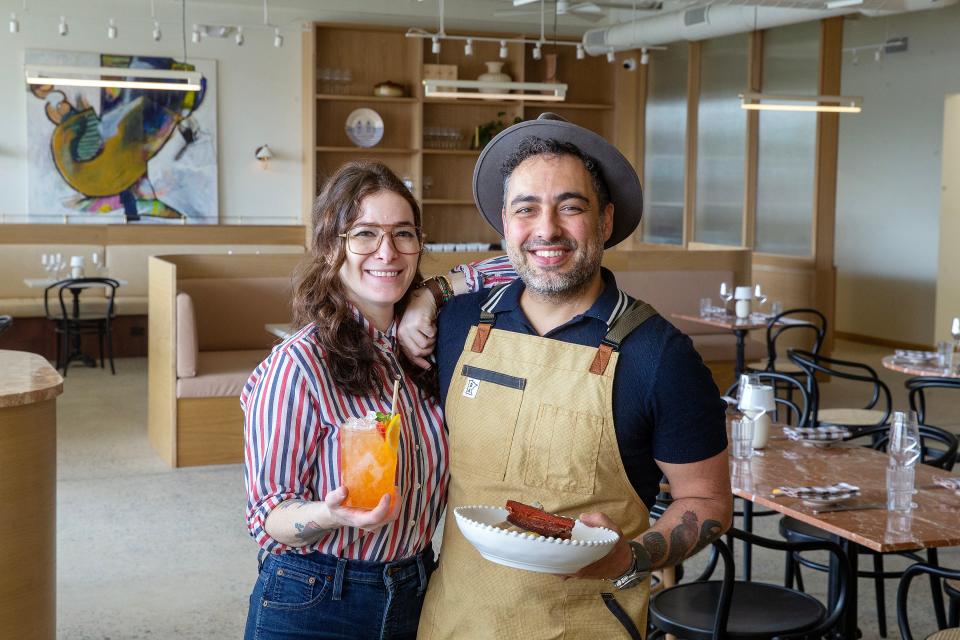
point(927, 369)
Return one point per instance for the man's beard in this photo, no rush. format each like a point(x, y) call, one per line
point(559, 285)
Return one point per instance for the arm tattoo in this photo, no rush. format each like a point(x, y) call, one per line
point(656, 546)
point(709, 532)
point(309, 532)
point(683, 538)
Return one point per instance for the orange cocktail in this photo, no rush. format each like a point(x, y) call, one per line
point(368, 460)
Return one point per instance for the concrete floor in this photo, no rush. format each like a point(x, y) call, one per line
point(149, 552)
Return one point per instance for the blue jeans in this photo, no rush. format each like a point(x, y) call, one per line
point(322, 596)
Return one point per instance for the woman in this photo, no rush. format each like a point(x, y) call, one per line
point(328, 570)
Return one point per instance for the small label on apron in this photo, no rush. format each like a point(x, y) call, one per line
point(471, 387)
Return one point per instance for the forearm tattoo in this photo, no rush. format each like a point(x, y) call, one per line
point(309, 531)
point(686, 538)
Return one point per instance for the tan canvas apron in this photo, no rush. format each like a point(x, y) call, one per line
point(539, 427)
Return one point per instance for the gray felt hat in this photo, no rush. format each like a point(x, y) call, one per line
point(621, 179)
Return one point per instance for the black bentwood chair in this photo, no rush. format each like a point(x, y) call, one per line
point(735, 609)
point(938, 449)
point(801, 324)
point(918, 387)
point(5, 322)
point(875, 412)
point(787, 411)
point(948, 631)
point(74, 322)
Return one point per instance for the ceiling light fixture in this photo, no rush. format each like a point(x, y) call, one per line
point(277, 38)
point(840, 4)
point(822, 104)
point(581, 54)
point(63, 29)
point(468, 47)
point(111, 29)
point(503, 50)
point(644, 56)
point(537, 52)
point(163, 79)
point(611, 55)
point(14, 23)
point(195, 35)
point(437, 88)
point(157, 34)
point(435, 45)
point(239, 37)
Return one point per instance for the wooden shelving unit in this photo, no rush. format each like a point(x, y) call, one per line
point(601, 96)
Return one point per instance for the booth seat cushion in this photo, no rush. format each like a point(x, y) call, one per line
point(677, 291)
point(231, 312)
point(22, 307)
point(221, 373)
point(130, 305)
point(714, 348)
point(187, 349)
point(129, 261)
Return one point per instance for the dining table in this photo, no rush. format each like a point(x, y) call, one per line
point(933, 523)
point(739, 326)
point(919, 367)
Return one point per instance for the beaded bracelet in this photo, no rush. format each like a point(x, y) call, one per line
point(440, 288)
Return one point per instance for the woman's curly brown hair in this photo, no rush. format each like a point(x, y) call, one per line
point(319, 295)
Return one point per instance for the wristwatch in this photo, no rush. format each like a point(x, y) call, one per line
point(634, 574)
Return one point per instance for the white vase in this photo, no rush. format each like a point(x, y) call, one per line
point(494, 74)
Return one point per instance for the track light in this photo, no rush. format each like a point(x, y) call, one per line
point(112, 29)
point(277, 38)
point(581, 54)
point(503, 49)
point(435, 45)
point(156, 31)
point(63, 28)
point(14, 23)
point(239, 37)
point(877, 54)
point(195, 35)
point(644, 57)
point(468, 48)
point(537, 52)
point(611, 56)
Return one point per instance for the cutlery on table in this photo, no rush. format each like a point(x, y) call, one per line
point(850, 507)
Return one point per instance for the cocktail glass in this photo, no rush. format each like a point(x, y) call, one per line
point(368, 461)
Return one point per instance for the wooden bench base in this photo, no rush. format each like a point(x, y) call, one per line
point(209, 431)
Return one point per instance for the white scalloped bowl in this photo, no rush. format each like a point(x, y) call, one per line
point(529, 551)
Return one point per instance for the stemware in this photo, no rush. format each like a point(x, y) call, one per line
point(955, 332)
point(726, 294)
point(904, 444)
point(95, 258)
point(45, 261)
point(759, 295)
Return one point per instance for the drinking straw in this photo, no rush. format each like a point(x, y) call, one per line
point(396, 390)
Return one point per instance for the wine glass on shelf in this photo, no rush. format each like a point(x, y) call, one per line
point(95, 258)
point(759, 295)
point(46, 261)
point(726, 294)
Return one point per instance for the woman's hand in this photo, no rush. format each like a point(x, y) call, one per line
point(417, 331)
point(366, 519)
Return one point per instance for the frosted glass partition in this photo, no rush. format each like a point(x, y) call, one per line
point(786, 159)
point(666, 126)
point(721, 141)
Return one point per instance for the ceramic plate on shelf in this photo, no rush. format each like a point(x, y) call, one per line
point(364, 127)
point(482, 527)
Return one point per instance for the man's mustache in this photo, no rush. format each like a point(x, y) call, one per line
point(562, 242)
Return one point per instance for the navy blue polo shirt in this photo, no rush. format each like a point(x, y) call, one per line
point(665, 404)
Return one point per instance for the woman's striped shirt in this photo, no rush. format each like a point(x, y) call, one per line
point(293, 412)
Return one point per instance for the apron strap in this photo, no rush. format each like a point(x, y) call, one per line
point(638, 313)
point(487, 318)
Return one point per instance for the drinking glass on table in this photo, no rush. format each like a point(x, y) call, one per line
point(945, 355)
point(903, 450)
point(741, 434)
point(755, 400)
point(706, 307)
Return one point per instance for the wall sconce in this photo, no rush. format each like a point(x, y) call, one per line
point(264, 155)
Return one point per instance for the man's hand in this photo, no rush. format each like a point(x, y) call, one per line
point(417, 331)
point(615, 563)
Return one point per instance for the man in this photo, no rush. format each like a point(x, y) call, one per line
point(560, 389)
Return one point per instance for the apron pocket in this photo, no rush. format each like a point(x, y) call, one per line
point(586, 617)
point(483, 406)
point(563, 450)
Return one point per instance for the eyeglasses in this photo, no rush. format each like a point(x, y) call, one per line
point(365, 239)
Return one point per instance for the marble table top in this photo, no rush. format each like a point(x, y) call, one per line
point(731, 323)
point(928, 369)
point(935, 522)
point(26, 378)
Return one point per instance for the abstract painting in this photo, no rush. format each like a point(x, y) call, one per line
point(107, 154)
